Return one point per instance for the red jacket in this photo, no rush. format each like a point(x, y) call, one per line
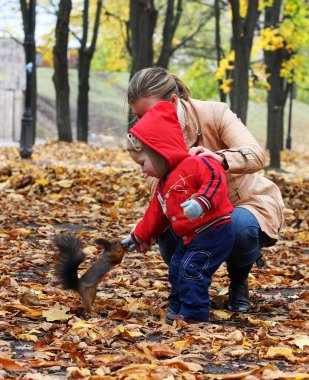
point(190, 176)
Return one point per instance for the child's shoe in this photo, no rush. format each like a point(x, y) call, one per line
point(171, 317)
point(171, 311)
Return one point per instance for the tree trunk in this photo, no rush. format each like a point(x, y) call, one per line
point(85, 56)
point(275, 107)
point(83, 96)
point(143, 17)
point(141, 26)
point(243, 31)
point(170, 26)
point(61, 77)
point(277, 94)
point(218, 47)
point(24, 11)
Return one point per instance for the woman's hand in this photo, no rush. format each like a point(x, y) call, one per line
point(204, 152)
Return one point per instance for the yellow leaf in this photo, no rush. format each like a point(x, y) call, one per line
point(130, 334)
point(81, 325)
point(285, 352)
point(302, 341)
point(135, 334)
point(42, 181)
point(57, 313)
point(28, 311)
point(304, 235)
point(181, 343)
point(65, 183)
point(222, 314)
point(27, 337)
point(121, 328)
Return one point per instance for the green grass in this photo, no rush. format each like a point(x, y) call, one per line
point(257, 123)
point(108, 107)
point(107, 100)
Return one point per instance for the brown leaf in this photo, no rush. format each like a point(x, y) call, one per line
point(185, 366)
point(28, 311)
point(11, 365)
point(30, 299)
point(162, 350)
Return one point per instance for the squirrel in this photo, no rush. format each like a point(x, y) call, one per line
point(71, 256)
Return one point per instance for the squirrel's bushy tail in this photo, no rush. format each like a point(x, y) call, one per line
point(69, 258)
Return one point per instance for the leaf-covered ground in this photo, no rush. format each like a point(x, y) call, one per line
point(91, 191)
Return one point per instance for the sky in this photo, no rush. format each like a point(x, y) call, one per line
point(11, 20)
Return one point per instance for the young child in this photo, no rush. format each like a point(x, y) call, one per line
point(192, 196)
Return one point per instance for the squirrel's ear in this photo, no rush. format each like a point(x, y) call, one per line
point(103, 243)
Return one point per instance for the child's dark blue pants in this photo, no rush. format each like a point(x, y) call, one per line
point(192, 267)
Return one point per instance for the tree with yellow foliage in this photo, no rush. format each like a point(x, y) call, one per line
point(284, 34)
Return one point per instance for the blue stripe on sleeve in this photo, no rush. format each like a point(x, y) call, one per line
point(212, 179)
point(212, 175)
point(218, 184)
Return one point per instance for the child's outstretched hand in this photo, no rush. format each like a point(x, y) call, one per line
point(128, 241)
point(192, 209)
point(143, 247)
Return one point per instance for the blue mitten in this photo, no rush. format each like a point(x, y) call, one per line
point(128, 241)
point(192, 209)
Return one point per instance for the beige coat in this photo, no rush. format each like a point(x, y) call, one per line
point(214, 126)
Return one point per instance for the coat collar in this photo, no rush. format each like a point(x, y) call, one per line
point(193, 128)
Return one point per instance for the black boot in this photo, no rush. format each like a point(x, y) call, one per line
point(239, 297)
point(238, 290)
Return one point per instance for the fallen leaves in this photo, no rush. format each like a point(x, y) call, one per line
point(285, 352)
point(94, 192)
point(10, 364)
point(57, 313)
point(30, 312)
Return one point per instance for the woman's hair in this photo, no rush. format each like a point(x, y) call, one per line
point(156, 81)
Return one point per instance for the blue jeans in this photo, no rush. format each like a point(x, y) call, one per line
point(192, 267)
point(249, 239)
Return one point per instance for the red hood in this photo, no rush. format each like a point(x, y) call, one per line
point(160, 130)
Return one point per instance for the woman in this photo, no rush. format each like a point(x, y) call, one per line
point(212, 129)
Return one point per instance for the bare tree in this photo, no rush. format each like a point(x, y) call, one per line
point(61, 77)
point(141, 26)
point(218, 46)
point(171, 22)
point(85, 55)
point(243, 32)
point(25, 17)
